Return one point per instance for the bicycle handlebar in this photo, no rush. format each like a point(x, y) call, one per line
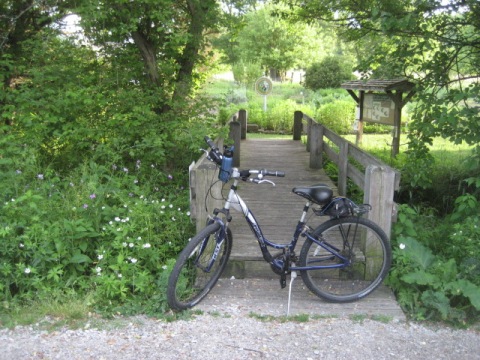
point(210, 143)
point(216, 156)
point(244, 174)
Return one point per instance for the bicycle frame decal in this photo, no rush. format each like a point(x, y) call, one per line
point(219, 239)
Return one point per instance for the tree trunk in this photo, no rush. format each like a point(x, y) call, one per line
point(148, 52)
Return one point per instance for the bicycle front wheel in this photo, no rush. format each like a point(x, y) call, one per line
point(355, 255)
point(198, 267)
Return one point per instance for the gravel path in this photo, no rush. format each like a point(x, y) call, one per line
point(214, 336)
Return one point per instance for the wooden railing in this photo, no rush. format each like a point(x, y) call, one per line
point(378, 180)
point(203, 171)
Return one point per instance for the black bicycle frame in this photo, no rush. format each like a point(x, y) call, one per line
point(236, 202)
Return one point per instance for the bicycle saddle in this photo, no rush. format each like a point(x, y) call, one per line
point(320, 194)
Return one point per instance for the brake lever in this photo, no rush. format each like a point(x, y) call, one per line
point(259, 181)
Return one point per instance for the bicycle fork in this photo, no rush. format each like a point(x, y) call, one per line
point(219, 239)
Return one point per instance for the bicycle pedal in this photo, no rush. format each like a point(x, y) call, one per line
point(283, 281)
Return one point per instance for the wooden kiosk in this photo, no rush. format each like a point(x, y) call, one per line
point(380, 101)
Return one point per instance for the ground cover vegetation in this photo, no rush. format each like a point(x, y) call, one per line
point(98, 130)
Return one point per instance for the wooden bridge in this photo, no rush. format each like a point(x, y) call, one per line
point(248, 282)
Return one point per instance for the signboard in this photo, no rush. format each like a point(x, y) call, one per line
point(263, 86)
point(378, 108)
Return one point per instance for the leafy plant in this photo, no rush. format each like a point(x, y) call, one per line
point(430, 285)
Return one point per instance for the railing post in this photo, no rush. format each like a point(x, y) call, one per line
point(342, 168)
point(309, 132)
point(242, 118)
point(201, 174)
point(297, 125)
point(378, 192)
point(235, 135)
point(316, 146)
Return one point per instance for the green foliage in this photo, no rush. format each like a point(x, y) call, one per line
point(246, 73)
point(110, 231)
point(331, 72)
point(276, 44)
point(338, 116)
point(90, 162)
point(436, 272)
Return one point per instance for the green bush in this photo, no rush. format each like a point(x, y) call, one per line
point(436, 269)
point(278, 117)
point(331, 72)
point(338, 116)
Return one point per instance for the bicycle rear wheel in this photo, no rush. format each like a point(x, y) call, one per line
point(197, 270)
point(365, 247)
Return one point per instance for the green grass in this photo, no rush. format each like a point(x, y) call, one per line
point(72, 313)
point(441, 149)
point(51, 315)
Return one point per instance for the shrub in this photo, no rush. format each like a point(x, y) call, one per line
point(331, 72)
point(435, 274)
point(338, 116)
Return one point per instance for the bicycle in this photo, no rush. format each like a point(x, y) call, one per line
point(342, 260)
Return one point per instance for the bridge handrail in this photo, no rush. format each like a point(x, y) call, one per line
point(378, 181)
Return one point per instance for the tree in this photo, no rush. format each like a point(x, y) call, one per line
point(331, 72)
point(267, 39)
point(434, 44)
point(168, 36)
point(21, 20)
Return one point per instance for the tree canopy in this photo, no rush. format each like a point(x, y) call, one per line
point(434, 44)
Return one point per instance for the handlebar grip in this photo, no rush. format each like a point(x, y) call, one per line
point(273, 173)
point(210, 143)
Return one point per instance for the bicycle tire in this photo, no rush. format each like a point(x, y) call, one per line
point(189, 282)
point(370, 258)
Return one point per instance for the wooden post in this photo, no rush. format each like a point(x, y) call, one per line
point(316, 146)
point(297, 125)
point(242, 118)
point(397, 121)
point(309, 132)
point(358, 140)
point(201, 175)
point(342, 168)
point(378, 192)
point(235, 135)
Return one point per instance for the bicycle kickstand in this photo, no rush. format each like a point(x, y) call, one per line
point(293, 276)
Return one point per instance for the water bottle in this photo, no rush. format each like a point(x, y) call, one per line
point(226, 167)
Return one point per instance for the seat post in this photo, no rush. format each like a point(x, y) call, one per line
point(305, 211)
